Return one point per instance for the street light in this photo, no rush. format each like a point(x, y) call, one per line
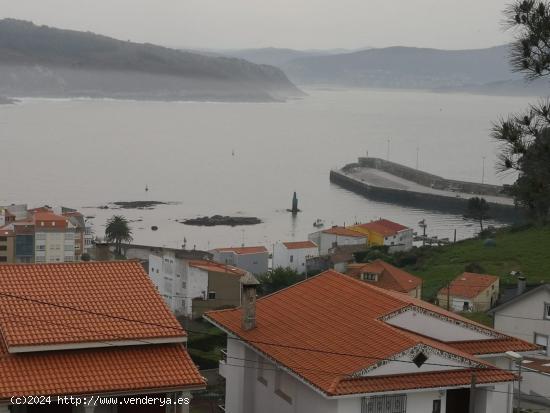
point(518, 359)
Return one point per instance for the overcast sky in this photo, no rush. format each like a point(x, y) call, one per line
point(299, 24)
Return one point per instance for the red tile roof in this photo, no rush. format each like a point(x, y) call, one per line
point(344, 232)
point(328, 327)
point(49, 220)
point(86, 304)
point(217, 267)
point(469, 285)
point(116, 301)
point(420, 381)
point(243, 250)
point(384, 227)
point(389, 277)
point(496, 346)
point(298, 245)
point(110, 370)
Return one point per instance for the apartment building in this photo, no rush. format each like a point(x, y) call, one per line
point(42, 235)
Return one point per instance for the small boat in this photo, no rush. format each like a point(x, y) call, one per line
point(146, 188)
point(319, 223)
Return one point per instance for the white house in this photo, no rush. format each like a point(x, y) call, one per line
point(527, 316)
point(337, 236)
point(395, 236)
point(294, 255)
point(169, 273)
point(334, 344)
point(252, 259)
point(182, 280)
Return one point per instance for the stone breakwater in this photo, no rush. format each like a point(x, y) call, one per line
point(385, 181)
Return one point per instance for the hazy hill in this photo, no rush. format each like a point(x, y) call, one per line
point(44, 61)
point(406, 67)
point(277, 56)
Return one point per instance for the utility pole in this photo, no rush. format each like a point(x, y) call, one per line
point(483, 172)
point(519, 386)
point(472, 408)
point(449, 296)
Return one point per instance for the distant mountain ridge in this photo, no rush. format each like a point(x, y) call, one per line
point(277, 56)
point(43, 61)
point(476, 70)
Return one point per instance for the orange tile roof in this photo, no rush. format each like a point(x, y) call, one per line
point(469, 285)
point(217, 267)
point(495, 346)
point(299, 245)
point(49, 220)
point(384, 227)
point(116, 301)
point(390, 277)
point(109, 370)
point(436, 379)
point(243, 250)
point(328, 327)
point(345, 232)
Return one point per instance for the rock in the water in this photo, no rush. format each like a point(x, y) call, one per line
point(222, 220)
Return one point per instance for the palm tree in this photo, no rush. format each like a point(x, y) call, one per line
point(478, 209)
point(118, 231)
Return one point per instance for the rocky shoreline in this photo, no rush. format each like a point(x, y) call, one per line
point(216, 220)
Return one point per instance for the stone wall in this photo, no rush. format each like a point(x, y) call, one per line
point(430, 202)
point(430, 180)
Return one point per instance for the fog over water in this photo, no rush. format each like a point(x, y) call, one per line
point(241, 158)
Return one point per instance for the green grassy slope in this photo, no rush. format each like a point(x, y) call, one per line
point(526, 250)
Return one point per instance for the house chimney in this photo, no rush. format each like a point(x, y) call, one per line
point(522, 283)
point(102, 252)
point(248, 301)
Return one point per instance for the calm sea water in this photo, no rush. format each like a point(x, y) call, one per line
point(239, 158)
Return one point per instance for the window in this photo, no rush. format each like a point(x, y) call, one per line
point(3, 239)
point(3, 259)
point(384, 404)
point(436, 406)
point(420, 359)
point(261, 370)
point(370, 276)
point(3, 248)
point(541, 340)
point(283, 386)
point(466, 306)
point(292, 258)
point(211, 295)
point(547, 311)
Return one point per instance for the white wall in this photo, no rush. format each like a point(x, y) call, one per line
point(328, 241)
point(525, 317)
point(292, 258)
point(168, 273)
point(403, 365)
point(197, 286)
point(402, 241)
point(434, 327)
